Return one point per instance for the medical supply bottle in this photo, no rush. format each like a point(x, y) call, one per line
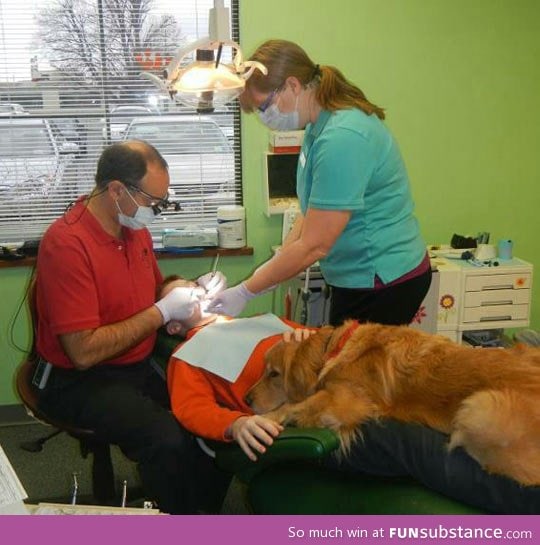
point(231, 226)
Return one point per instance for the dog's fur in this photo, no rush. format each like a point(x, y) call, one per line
point(487, 400)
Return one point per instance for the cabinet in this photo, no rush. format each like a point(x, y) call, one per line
point(465, 297)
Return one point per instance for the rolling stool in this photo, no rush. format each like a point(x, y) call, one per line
point(102, 470)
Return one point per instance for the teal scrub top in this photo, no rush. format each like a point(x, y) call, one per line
point(350, 161)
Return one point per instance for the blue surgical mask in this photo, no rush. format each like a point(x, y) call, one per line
point(143, 217)
point(276, 120)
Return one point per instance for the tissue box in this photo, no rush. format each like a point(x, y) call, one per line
point(286, 141)
point(190, 237)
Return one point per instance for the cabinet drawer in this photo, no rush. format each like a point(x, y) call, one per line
point(503, 313)
point(512, 281)
point(497, 297)
point(451, 334)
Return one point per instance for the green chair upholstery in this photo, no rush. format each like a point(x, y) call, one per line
point(164, 347)
point(290, 479)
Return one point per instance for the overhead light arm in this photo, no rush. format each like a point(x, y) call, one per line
point(205, 83)
point(243, 69)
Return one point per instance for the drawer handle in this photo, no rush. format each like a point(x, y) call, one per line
point(494, 318)
point(496, 303)
point(498, 287)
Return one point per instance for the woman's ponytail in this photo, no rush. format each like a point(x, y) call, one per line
point(335, 92)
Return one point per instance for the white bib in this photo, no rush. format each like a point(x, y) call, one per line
point(225, 348)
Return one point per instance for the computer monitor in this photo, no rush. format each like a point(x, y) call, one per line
point(280, 181)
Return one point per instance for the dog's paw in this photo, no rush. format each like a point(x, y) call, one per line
point(329, 420)
point(281, 415)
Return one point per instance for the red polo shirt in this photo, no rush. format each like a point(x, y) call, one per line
point(87, 278)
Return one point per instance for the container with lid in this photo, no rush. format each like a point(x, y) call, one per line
point(231, 220)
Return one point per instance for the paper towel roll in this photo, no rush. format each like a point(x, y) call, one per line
point(485, 252)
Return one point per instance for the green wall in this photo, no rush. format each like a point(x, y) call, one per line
point(461, 84)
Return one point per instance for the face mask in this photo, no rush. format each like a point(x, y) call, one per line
point(276, 120)
point(142, 218)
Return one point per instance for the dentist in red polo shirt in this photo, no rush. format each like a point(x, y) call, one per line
point(97, 279)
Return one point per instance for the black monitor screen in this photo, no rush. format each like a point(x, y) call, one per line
point(281, 169)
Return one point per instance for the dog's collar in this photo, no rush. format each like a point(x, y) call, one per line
point(343, 339)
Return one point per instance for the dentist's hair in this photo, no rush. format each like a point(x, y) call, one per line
point(284, 59)
point(127, 162)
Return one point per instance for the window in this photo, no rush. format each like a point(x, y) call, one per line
point(71, 84)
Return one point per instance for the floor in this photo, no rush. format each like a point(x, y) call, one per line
point(48, 475)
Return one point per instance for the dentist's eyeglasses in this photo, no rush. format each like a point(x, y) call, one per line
point(158, 204)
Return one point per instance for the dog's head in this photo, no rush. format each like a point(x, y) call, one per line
point(291, 372)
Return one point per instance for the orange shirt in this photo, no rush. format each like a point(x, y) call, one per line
point(206, 404)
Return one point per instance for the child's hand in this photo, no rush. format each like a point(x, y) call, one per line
point(254, 434)
point(298, 335)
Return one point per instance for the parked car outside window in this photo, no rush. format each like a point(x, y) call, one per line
point(72, 131)
point(199, 155)
point(32, 163)
point(11, 108)
point(222, 115)
point(121, 117)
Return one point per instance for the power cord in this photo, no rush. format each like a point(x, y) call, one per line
point(13, 320)
point(325, 292)
point(305, 299)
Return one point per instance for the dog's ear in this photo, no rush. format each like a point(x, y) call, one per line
point(303, 362)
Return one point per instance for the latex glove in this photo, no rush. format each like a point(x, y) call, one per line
point(213, 283)
point(231, 301)
point(254, 434)
point(180, 303)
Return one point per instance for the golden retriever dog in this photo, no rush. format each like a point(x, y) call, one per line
point(486, 399)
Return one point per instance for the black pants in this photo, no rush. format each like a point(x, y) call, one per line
point(128, 406)
point(392, 305)
point(390, 448)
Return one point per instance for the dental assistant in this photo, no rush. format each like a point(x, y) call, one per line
point(357, 213)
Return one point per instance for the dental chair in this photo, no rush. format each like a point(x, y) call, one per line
point(290, 478)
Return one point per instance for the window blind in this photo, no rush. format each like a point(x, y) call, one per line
point(71, 84)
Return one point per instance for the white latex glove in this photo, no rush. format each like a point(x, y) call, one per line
point(180, 303)
point(231, 301)
point(213, 283)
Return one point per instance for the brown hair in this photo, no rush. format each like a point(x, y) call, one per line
point(169, 280)
point(284, 59)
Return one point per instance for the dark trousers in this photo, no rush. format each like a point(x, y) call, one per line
point(391, 448)
point(128, 406)
point(391, 305)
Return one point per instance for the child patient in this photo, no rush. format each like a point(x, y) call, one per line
point(210, 406)
point(197, 319)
